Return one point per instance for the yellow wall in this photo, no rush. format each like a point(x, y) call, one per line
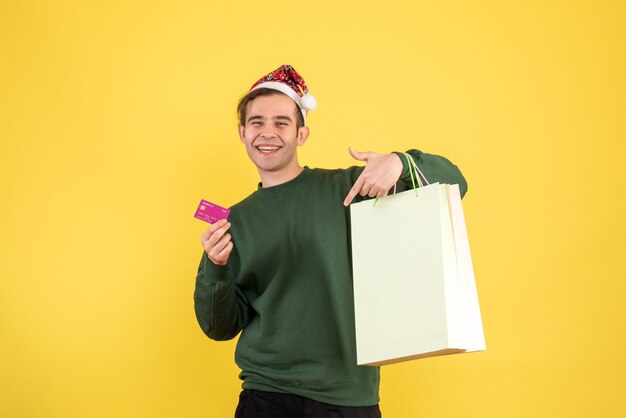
point(117, 117)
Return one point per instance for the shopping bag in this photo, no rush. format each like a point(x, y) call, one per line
point(414, 289)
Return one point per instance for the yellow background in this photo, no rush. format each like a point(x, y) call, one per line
point(117, 117)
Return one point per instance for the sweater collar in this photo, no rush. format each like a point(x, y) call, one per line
point(283, 187)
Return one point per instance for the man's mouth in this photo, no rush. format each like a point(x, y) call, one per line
point(267, 149)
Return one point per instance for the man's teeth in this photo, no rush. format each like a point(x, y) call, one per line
point(265, 148)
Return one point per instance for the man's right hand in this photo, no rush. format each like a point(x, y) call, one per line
point(216, 242)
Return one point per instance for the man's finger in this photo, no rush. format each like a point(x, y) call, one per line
point(217, 235)
point(223, 255)
point(219, 245)
point(211, 229)
point(365, 189)
point(354, 190)
point(213, 237)
point(361, 156)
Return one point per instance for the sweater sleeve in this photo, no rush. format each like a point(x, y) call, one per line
point(436, 169)
point(221, 307)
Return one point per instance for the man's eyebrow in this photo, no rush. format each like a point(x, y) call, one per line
point(259, 117)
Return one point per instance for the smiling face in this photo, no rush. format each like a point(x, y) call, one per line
point(271, 136)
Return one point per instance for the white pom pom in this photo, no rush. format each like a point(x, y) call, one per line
point(308, 102)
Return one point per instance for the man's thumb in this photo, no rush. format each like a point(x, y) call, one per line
point(361, 156)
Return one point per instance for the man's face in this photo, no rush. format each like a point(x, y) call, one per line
point(270, 133)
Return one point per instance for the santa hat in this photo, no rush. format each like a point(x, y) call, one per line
point(286, 80)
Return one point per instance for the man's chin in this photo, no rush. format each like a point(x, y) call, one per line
point(267, 167)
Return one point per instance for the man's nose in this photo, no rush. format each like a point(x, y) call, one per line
point(268, 131)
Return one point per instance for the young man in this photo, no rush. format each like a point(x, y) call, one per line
point(279, 270)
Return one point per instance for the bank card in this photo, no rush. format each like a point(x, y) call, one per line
point(210, 212)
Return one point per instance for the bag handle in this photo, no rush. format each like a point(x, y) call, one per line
point(412, 171)
point(417, 169)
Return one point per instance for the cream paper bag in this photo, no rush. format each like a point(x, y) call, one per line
point(414, 289)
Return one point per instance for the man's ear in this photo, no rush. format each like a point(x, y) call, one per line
point(303, 134)
point(242, 135)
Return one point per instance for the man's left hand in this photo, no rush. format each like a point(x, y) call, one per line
point(380, 174)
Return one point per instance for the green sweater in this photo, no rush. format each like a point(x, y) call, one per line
point(288, 286)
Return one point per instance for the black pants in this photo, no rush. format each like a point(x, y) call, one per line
point(257, 404)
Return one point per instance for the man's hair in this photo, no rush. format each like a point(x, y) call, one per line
point(243, 104)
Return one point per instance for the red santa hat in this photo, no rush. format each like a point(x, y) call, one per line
point(286, 80)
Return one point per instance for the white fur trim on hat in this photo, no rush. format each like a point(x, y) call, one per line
point(286, 89)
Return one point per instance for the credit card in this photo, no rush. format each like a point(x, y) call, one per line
point(210, 212)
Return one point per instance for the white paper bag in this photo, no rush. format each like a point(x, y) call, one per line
point(414, 289)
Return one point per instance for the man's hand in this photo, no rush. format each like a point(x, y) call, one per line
point(216, 242)
point(380, 174)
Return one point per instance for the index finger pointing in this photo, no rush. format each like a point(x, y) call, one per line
point(353, 191)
